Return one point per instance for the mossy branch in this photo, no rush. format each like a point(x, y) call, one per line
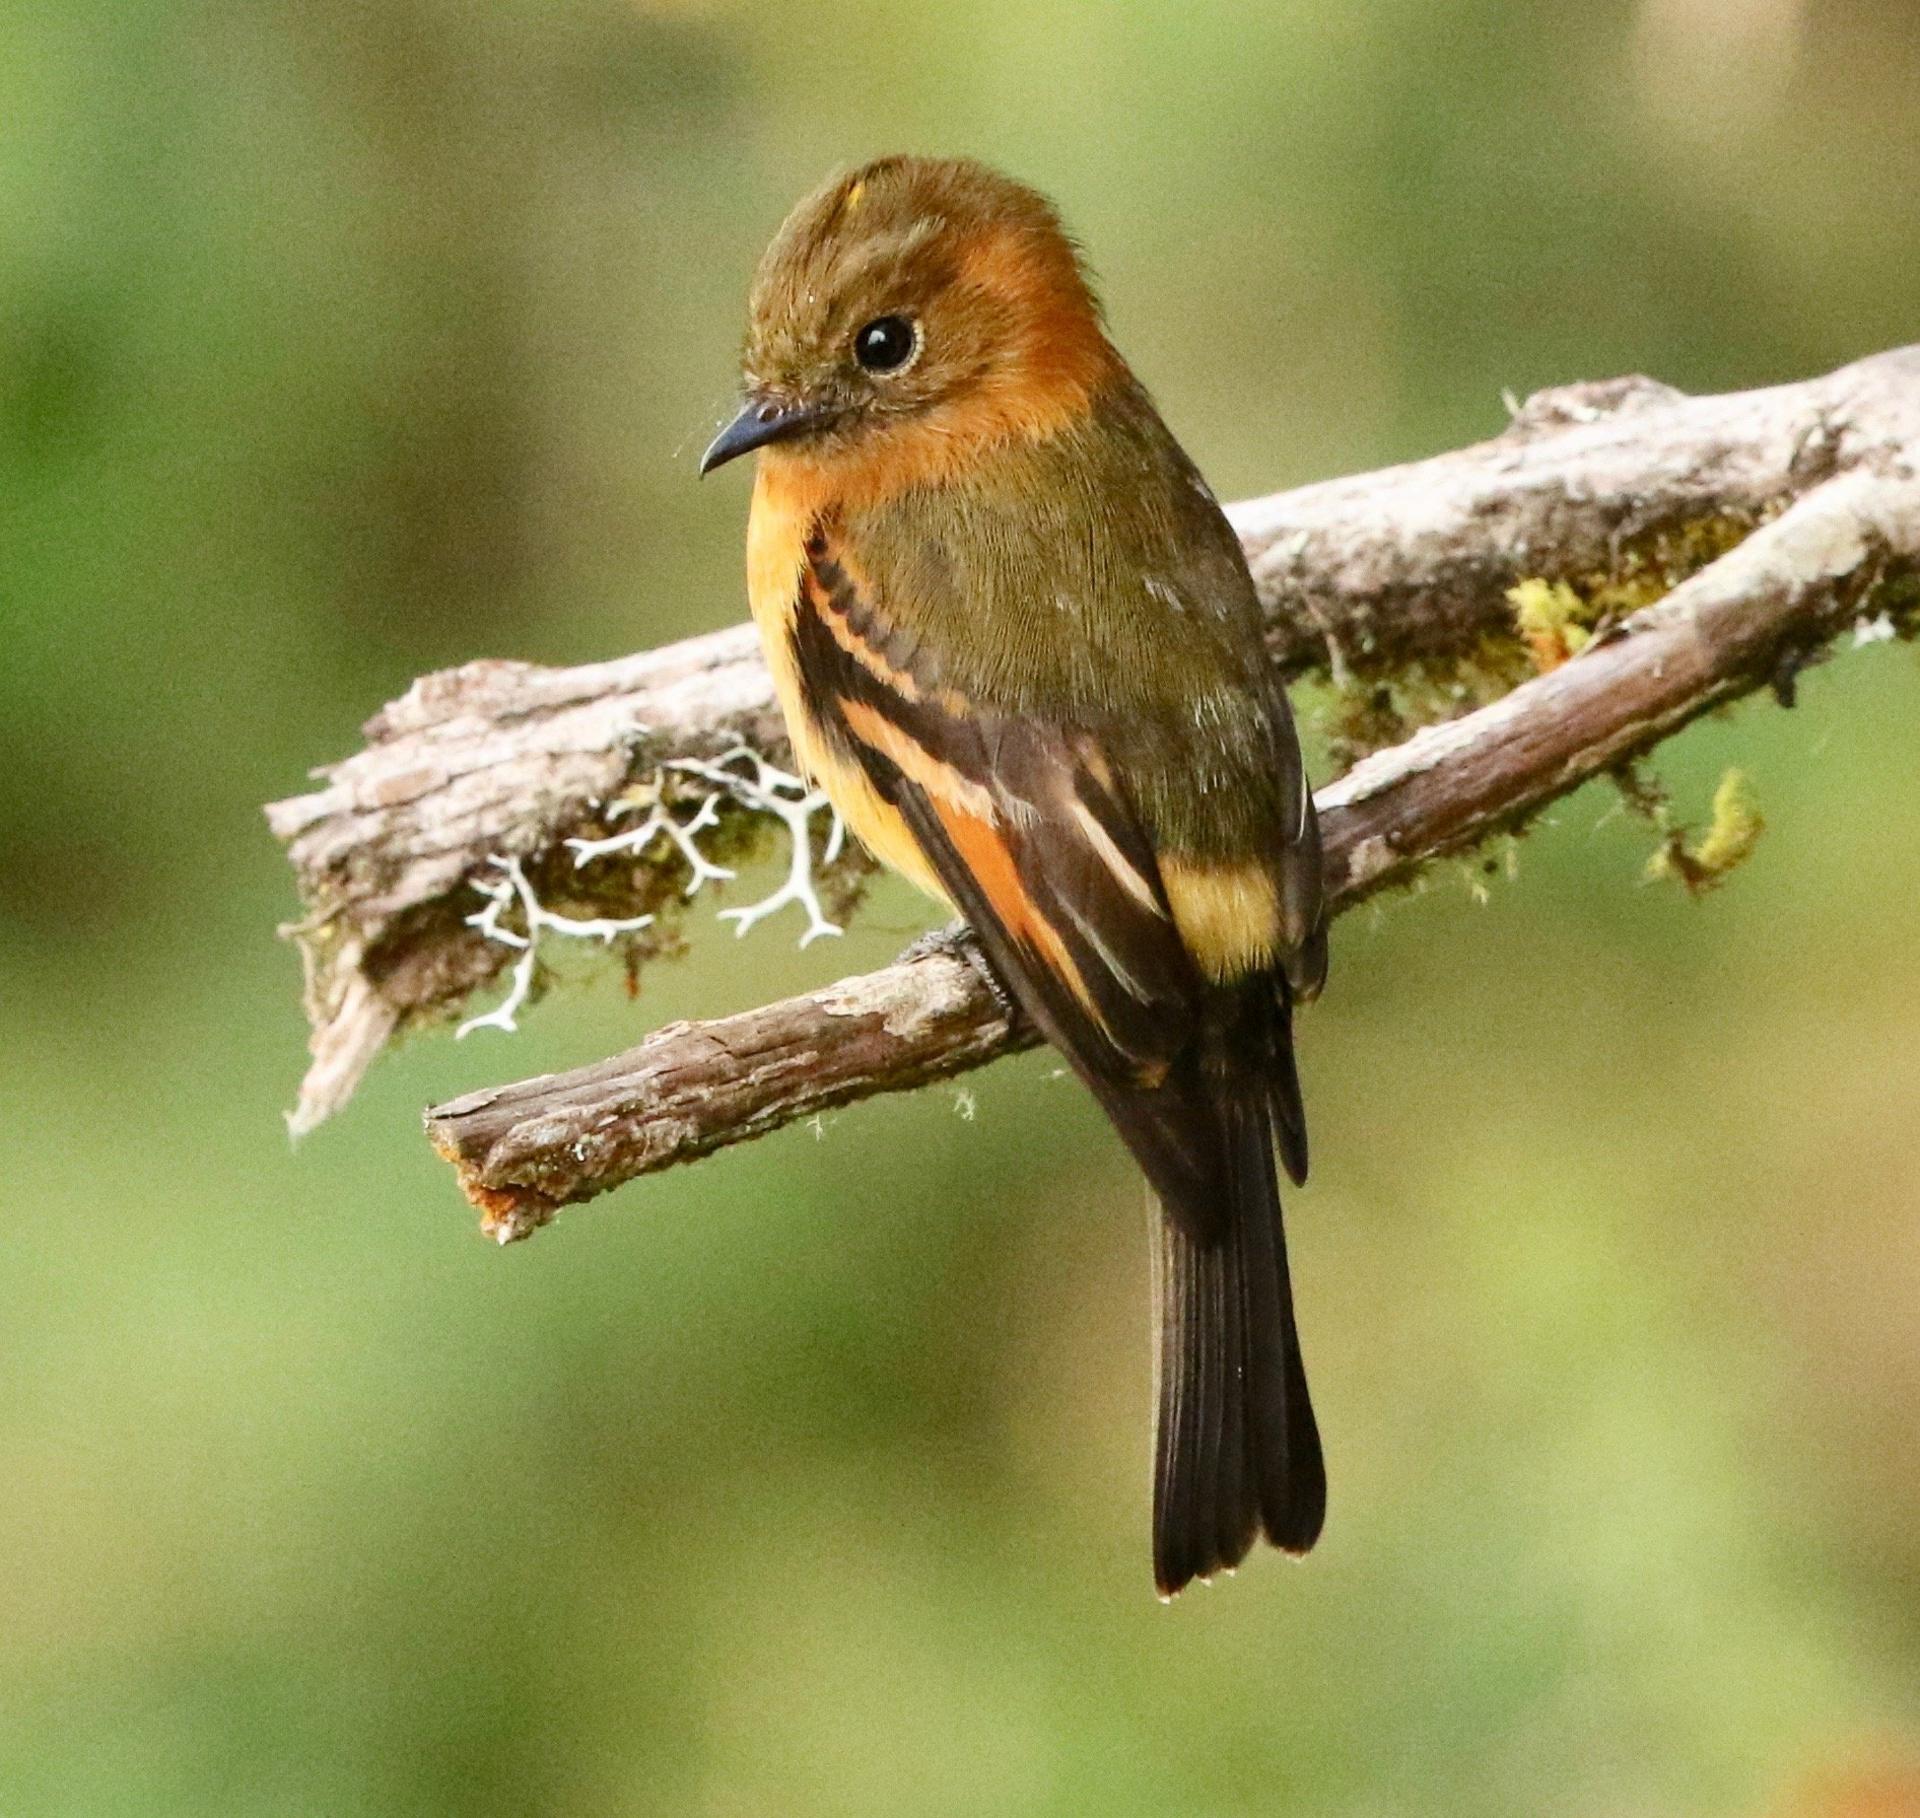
point(1394, 586)
point(524, 1151)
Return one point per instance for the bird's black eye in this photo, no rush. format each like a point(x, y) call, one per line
point(885, 344)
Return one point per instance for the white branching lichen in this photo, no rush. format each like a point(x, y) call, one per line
point(764, 789)
point(636, 840)
point(511, 889)
point(771, 790)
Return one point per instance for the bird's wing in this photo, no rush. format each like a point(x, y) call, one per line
point(1033, 838)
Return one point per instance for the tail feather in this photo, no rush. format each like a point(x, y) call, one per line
point(1289, 1114)
point(1235, 1487)
point(1284, 1437)
point(1237, 1451)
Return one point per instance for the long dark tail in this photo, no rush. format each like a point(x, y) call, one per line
point(1237, 1451)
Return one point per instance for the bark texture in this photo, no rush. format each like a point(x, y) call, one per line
point(1748, 621)
point(1772, 515)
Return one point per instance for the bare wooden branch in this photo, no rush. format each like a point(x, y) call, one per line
point(1850, 546)
point(1625, 485)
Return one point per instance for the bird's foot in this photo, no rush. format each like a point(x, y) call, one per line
point(956, 941)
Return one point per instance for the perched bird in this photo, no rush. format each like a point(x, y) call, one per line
point(1017, 644)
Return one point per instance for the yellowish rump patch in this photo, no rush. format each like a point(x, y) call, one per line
point(1228, 915)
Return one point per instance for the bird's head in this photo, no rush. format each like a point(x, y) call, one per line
point(910, 313)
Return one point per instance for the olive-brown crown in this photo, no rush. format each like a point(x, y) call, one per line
point(925, 290)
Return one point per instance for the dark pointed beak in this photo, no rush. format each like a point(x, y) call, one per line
point(761, 420)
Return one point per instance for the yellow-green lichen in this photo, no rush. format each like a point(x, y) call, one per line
point(1556, 618)
point(1553, 620)
point(1380, 701)
point(1706, 862)
point(1650, 567)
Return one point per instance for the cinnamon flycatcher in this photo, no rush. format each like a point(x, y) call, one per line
point(1017, 644)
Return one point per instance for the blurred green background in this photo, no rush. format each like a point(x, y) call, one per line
point(340, 341)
